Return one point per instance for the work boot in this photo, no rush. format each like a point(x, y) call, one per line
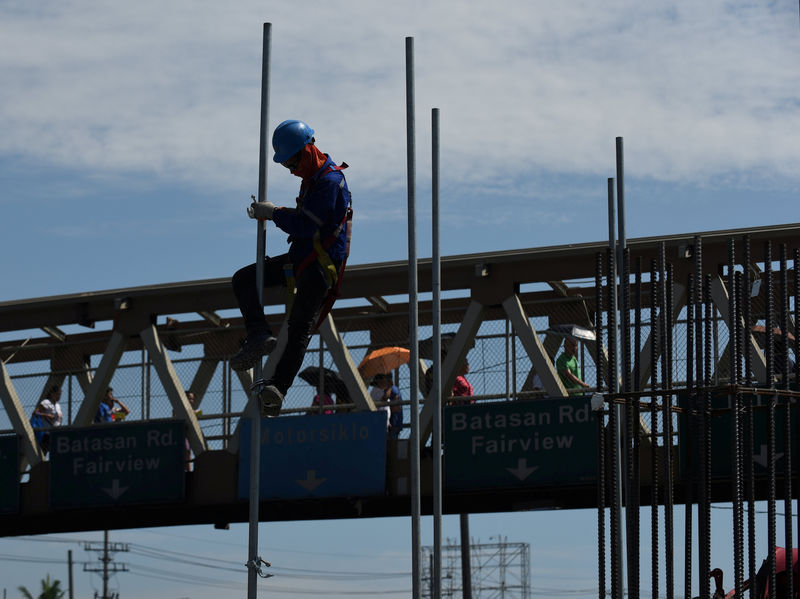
point(271, 400)
point(255, 346)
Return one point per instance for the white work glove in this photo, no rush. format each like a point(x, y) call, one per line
point(261, 210)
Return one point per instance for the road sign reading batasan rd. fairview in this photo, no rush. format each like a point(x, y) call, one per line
point(331, 455)
point(9, 474)
point(117, 463)
point(520, 444)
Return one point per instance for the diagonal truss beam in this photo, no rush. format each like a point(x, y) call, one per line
point(719, 297)
point(31, 451)
point(172, 385)
point(535, 348)
point(101, 380)
point(456, 354)
point(347, 367)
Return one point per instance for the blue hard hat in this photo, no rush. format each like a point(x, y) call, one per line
point(289, 138)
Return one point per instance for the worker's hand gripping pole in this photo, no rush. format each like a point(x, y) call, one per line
point(253, 570)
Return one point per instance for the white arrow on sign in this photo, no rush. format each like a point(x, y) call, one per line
point(522, 471)
point(115, 491)
point(761, 458)
point(311, 481)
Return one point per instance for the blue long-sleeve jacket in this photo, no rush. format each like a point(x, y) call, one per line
point(321, 207)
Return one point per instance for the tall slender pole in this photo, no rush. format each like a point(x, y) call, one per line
point(261, 242)
point(622, 439)
point(466, 567)
point(106, 559)
point(617, 569)
point(436, 288)
point(69, 575)
point(413, 322)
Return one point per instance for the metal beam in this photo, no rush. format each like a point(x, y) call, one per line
point(202, 379)
point(347, 368)
point(456, 354)
point(719, 297)
point(102, 379)
point(31, 451)
point(175, 391)
point(536, 350)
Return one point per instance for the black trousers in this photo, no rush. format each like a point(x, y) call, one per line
point(312, 288)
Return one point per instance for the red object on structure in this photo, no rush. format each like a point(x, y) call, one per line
point(762, 579)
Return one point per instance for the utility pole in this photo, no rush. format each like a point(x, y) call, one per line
point(108, 567)
point(69, 565)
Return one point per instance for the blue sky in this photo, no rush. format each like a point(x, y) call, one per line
point(129, 150)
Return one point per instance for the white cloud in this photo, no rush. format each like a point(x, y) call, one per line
point(698, 90)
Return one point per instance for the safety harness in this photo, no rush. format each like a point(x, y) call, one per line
point(320, 252)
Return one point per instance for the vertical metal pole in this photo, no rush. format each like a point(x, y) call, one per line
point(436, 263)
point(601, 437)
point(617, 566)
point(261, 241)
point(771, 476)
point(796, 276)
point(69, 575)
point(749, 441)
point(413, 323)
point(466, 567)
point(704, 524)
point(656, 346)
point(690, 421)
point(735, 400)
point(788, 543)
point(144, 383)
point(665, 324)
point(69, 399)
point(508, 362)
point(106, 559)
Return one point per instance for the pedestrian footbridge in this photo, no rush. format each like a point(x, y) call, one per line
point(521, 442)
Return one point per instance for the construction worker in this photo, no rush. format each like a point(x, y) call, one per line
point(318, 229)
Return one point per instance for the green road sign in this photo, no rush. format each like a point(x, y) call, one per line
point(722, 436)
point(117, 463)
point(9, 474)
point(520, 444)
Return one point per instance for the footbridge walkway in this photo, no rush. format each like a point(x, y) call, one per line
point(522, 443)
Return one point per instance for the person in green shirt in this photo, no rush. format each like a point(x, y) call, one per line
point(567, 365)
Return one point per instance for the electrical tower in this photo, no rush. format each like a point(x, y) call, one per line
point(108, 567)
point(499, 570)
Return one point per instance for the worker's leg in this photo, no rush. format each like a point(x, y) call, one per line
point(259, 336)
point(312, 288)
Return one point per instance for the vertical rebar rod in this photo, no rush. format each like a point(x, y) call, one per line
point(700, 410)
point(601, 437)
point(630, 508)
point(749, 441)
point(665, 297)
point(796, 275)
point(690, 421)
point(655, 336)
point(735, 403)
point(787, 417)
point(771, 474)
point(413, 322)
point(436, 263)
point(634, 502)
point(261, 241)
point(615, 422)
point(623, 438)
point(705, 550)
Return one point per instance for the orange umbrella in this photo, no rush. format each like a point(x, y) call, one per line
point(385, 359)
